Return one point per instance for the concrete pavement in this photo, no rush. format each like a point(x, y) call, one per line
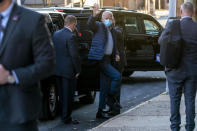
point(152, 115)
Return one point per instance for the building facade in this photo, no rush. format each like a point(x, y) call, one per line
point(136, 4)
point(129, 4)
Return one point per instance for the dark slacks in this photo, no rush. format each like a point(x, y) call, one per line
point(66, 88)
point(29, 126)
point(179, 81)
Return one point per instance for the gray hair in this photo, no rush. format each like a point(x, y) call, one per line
point(70, 19)
point(187, 8)
point(108, 12)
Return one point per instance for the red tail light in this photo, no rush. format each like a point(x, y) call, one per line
point(80, 34)
point(60, 10)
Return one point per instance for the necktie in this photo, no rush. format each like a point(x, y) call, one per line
point(1, 28)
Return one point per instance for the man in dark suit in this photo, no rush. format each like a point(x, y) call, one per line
point(26, 57)
point(68, 66)
point(119, 65)
point(186, 74)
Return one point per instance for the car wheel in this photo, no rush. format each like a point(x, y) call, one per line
point(50, 102)
point(89, 97)
point(127, 73)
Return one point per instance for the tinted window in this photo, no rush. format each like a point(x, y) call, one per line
point(151, 27)
point(82, 24)
point(72, 11)
point(58, 20)
point(119, 19)
point(131, 25)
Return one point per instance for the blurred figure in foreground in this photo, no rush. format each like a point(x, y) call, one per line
point(26, 57)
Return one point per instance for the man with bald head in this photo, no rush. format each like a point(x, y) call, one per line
point(184, 76)
point(104, 49)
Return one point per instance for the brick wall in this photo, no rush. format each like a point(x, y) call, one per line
point(53, 2)
point(117, 3)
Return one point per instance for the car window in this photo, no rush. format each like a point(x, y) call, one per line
point(151, 27)
point(131, 25)
point(58, 20)
point(119, 19)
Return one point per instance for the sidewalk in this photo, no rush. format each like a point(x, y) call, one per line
point(152, 115)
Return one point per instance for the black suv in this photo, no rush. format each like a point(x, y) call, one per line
point(141, 32)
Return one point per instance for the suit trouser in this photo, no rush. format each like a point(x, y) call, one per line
point(66, 88)
point(108, 73)
point(176, 81)
point(29, 126)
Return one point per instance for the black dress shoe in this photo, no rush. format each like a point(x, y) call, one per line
point(103, 115)
point(114, 112)
point(71, 121)
point(116, 106)
point(113, 103)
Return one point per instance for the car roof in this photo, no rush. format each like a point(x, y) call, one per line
point(48, 17)
point(46, 10)
point(66, 8)
point(129, 11)
point(123, 11)
point(72, 10)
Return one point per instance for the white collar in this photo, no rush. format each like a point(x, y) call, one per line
point(68, 28)
point(185, 17)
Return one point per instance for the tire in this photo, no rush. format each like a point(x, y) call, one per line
point(127, 73)
point(89, 97)
point(50, 102)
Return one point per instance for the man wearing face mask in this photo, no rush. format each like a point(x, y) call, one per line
point(26, 57)
point(104, 50)
point(67, 66)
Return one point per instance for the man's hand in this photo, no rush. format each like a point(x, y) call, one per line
point(77, 75)
point(117, 58)
point(96, 11)
point(3, 75)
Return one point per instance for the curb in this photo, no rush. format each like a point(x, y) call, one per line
point(144, 103)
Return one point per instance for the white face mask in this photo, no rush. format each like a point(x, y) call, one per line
point(108, 22)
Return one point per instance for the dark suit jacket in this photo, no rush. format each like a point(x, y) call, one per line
point(26, 48)
point(121, 48)
point(67, 57)
point(188, 64)
point(189, 34)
